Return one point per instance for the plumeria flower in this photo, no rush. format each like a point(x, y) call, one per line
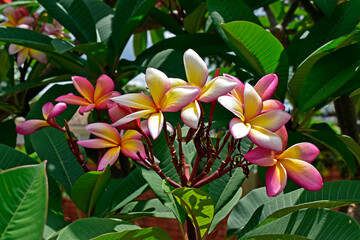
point(23, 52)
point(49, 112)
point(251, 121)
point(197, 74)
point(17, 17)
point(55, 29)
point(109, 137)
point(164, 99)
point(293, 162)
point(93, 98)
point(265, 87)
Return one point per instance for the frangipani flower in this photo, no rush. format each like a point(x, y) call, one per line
point(197, 74)
point(164, 99)
point(251, 121)
point(55, 29)
point(22, 53)
point(17, 17)
point(97, 98)
point(293, 162)
point(128, 144)
point(49, 112)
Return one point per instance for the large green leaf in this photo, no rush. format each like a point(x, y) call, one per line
point(87, 228)
point(12, 158)
point(168, 22)
point(88, 189)
point(145, 208)
point(128, 16)
point(327, 6)
point(54, 223)
point(23, 202)
point(331, 72)
point(74, 16)
point(343, 21)
point(254, 4)
point(304, 68)
point(194, 21)
point(50, 144)
point(315, 223)
point(352, 145)
point(198, 206)
point(120, 192)
point(8, 134)
point(153, 233)
point(323, 133)
point(260, 49)
point(256, 207)
point(167, 55)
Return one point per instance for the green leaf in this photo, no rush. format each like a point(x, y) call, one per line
point(343, 21)
point(198, 206)
point(326, 6)
point(74, 16)
point(172, 203)
point(331, 72)
point(254, 4)
point(24, 199)
point(168, 22)
point(128, 16)
point(11, 158)
point(120, 192)
point(8, 134)
point(353, 146)
point(17, 3)
point(153, 233)
point(53, 224)
point(87, 228)
point(256, 207)
point(315, 223)
point(167, 55)
point(260, 49)
point(88, 189)
point(145, 208)
point(8, 64)
point(157, 35)
point(194, 21)
point(303, 69)
point(326, 136)
point(50, 144)
point(140, 42)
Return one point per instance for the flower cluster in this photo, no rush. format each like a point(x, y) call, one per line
point(21, 18)
point(257, 116)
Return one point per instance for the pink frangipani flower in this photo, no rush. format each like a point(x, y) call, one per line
point(252, 121)
point(97, 97)
point(164, 99)
point(49, 112)
point(22, 53)
point(293, 162)
point(55, 29)
point(197, 74)
point(109, 137)
point(17, 17)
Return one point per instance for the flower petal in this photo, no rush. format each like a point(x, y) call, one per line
point(104, 85)
point(135, 100)
point(22, 56)
point(233, 105)
point(131, 117)
point(87, 108)
point(175, 82)
point(252, 102)
point(26, 20)
point(102, 102)
point(130, 147)
point(190, 115)
point(238, 128)
point(105, 131)
point(155, 124)
point(13, 48)
point(217, 87)
point(303, 173)
point(265, 138)
point(261, 157)
point(57, 110)
point(266, 86)
point(272, 120)
point(84, 87)
point(158, 84)
point(178, 97)
point(30, 126)
point(195, 69)
point(301, 151)
point(72, 100)
point(237, 92)
point(269, 105)
point(97, 143)
point(282, 133)
point(46, 109)
point(276, 179)
point(10, 14)
point(109, 158)
point(117, 112)
point(131, 135)
point(38, 55)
